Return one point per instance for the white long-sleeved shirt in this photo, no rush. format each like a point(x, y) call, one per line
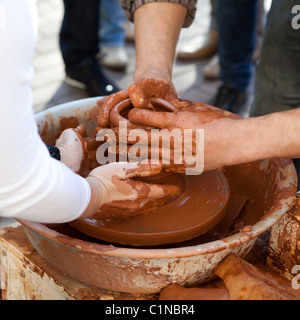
point(33, 186)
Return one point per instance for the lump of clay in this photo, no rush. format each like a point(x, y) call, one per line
point(246, 282)
point(157, 96)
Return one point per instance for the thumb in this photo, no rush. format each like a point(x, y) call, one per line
point(80, 130)
point(152, 118)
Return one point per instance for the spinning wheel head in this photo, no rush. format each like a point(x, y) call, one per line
point(200, 206)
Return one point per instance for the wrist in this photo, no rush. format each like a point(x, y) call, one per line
point(250, 139)
point(226, 142)
point(69, 159)
point(147, 71)
point(54, 152)
point(96, 199)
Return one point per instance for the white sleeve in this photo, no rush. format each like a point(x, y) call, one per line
point(33, 186)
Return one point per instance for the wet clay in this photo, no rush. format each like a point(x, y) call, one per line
point(182, 218)
point(199, 207)
point(259, 192)
point(203, 198)
point(177, 292)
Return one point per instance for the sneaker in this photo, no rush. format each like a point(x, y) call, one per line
point(200, 50)
point(230, 99)
point(113, 57)
point(90, 77)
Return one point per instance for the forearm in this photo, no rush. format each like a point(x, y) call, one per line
point(157, 28)
point(96, 199)
point(33, 186)
point(271, 136)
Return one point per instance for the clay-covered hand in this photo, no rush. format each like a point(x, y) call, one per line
point(71, 147)
point(218, 127)
point(142, 91)
point(77, 150)
point(116, 192)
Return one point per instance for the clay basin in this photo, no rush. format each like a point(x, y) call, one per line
point(261, 192)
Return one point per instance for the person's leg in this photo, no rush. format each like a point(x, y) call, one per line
point(237, 30)
point(111, 30)
point(79, 31)
point(112, 52)
point(236, 21)
point(277, 79)
point(208, 47)
point(212, 70)
point(79, 45)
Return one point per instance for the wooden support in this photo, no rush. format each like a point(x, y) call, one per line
point(25, 275)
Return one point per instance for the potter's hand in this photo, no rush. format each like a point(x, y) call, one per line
point(71, 147)
point(218, 128)
point(141, 91)
point(116, 194)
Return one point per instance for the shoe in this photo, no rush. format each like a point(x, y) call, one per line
point(90, 77)
point(113, 57)
point(200, 51)
point(230, 99)
point(129, 30)
point(212, 70)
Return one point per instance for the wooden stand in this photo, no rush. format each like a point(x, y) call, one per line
point(26, 276)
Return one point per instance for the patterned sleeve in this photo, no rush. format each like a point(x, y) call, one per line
point(129, 7)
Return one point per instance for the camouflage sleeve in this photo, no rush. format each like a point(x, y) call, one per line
point(129, 7)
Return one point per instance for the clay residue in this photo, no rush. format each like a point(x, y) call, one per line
point(254, 187)
point(245, 281)
point(178, 292)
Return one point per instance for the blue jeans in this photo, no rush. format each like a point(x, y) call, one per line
point(111, 31)
point(79, 31)
point(236, 22)
point(277, 83)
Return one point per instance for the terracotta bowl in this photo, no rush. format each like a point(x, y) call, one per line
point(269, 187)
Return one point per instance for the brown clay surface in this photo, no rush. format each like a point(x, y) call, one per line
point(247, 184)
point(177, 292)
point(200, 206)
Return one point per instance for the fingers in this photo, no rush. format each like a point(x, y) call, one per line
point(153, 191)
point(163, 191)
point(138, 96)
point(152, 118)
point(113, 99)
point(80, 129)
point(148, 195)
point(142, 169)
point(140, 92)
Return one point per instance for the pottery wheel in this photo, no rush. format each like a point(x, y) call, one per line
point(200, 206)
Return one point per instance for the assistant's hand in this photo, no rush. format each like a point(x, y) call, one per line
point(77, 151)
point(116, 194)
point(156, 86)
point(71, 147)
